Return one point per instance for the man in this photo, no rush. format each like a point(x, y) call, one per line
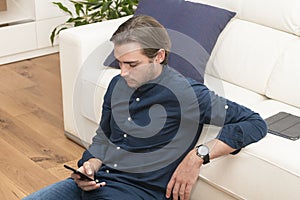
point(151, 121)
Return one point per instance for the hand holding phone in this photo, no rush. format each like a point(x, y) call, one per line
point(82, 175)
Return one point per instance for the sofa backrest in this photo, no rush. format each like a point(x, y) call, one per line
point(278, 14)
point(259, 49)
point(284, 81)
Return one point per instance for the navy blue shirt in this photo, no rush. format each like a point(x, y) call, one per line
point(145, 133)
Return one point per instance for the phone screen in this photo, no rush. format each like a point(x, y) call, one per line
point(82, 176)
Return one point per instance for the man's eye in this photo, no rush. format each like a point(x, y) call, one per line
point(133, 64)
point(129, 64)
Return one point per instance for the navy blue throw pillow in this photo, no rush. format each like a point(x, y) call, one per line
point(193, 28)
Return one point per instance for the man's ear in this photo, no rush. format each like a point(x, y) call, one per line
point(160, 56)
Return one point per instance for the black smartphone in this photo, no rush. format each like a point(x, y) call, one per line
point(82, 176)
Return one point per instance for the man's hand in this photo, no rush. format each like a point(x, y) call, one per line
point(186, 174)
point(184, 177)
point(89, 168)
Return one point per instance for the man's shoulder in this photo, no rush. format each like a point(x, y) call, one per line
point(114, 80)
point(178, 78)
point(183, 87)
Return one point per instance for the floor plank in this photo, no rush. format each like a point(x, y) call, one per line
point(13, 105)
point(33, 147)
point(62, 173)
point(9, 190)
point(21, 171)
point(38, 146)
point(13, 80)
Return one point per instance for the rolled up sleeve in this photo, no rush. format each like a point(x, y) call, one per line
point(240, 125)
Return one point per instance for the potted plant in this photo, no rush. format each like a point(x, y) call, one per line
point(91, 11)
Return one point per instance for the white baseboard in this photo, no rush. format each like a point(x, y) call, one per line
point(28, 54)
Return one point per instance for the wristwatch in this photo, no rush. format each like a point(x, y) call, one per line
point(203, 152)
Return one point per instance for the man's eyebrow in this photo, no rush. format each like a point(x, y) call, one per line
point(129, 62)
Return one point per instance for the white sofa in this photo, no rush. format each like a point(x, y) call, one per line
point(255, 62)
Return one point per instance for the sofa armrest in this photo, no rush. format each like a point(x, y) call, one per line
point(79, 48)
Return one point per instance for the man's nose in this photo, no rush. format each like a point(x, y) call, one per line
point(124, 70)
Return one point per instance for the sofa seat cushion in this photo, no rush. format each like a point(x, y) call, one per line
point(270, 107)
point(256, 172)
point(259, 166)
point(275, 150)
point(256, 169)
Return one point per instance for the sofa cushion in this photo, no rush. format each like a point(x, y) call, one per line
point(258, 167)
point(285, 77)
point(283, 15)
point(193, 28)
point(233, 92)
point(270, 107)
point(246, 54)
point(92, 87)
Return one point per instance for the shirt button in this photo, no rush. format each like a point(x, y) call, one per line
point(138, 99)
point(125, 135)
point(129, 118)
point(226, 107)
point(107, 171)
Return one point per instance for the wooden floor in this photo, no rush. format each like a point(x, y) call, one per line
point(33, 147)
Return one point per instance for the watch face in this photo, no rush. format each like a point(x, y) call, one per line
point(203, 150)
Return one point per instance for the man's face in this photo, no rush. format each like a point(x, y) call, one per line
point(136, 68)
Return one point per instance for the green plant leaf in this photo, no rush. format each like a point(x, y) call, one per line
point(105, 6)
point(94, 1)
point(80, 23)
point(126, 10)
point(113, 14)
point(62, 7)
point(70, 20)
point(91, 11)
point(52, 36)
point(78, 8)
point(96, 7)
point(55, 32)
point(63, 28)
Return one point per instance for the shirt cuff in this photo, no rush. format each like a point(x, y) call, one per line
point(85, 157)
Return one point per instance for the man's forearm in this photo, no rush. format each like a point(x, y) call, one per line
point(218, 148)
point(96, 163)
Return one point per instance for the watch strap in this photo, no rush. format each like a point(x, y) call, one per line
point(205, 159)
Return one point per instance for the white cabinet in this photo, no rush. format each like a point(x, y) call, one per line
point(26, 26)
point(18, 38)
